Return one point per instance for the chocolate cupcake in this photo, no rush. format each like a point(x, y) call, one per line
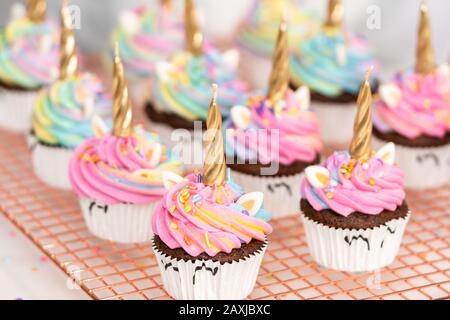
point(209, 239)
point(332, 63)
point(28, 62)
point(413, 111)
point(271, 140)
point(180, 95)
point(353, 207)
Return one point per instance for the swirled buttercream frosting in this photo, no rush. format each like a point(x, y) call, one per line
point(147, 36)
point(259, 30)
point(331, 63)
point(345, 185)
point(62, 112)
point(415, 105)
point(208, 219)
point(284, 132)
point(116, 170)
point(29, 53)
point(183, 85)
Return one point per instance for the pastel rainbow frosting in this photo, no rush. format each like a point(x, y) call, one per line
point(208, 219)
point(183, 85)
point(331, 63)
point(116, 170)
point(29, 53)
point(345, 185)
point(294, 126)
point(146, 36)
point(63, 112)
point(259, 30)
point(415, 105)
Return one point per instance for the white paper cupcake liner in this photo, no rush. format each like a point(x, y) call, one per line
point(255, 69)
point(189, 150)
point(336, 122)
point(125, 223)
point(354, 250)
point(16, 109)
point(281, 194)
point(209, 280)
point(51, 165)
point(424, 168)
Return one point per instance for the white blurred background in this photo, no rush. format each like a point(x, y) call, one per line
point(394, 42)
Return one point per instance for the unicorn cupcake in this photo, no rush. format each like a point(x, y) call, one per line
point(413, 111)
point(147, 36)
point(353, 204)
point(28, 62)
point(274, 137)
point(331, 63)
point(118, 175)
point(210, 238)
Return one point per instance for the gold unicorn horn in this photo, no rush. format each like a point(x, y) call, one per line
point(36, 10)
point(361, 145)
point(122, 113)
point(424, 49)
point(68, 60)
point(193, 35)
point(279, 77)
point(214, 169)
point(335, 14)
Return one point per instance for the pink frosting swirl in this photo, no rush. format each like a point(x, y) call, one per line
point(354, 186)
point(414, 105)
point(121, 169)
point(297, 130)
point(200, 218)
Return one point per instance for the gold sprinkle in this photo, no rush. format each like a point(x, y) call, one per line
point(185, 194)
point(173, 226)
point(329, 195)
point(172, 210)
point(188, 208)
point(372, 181)
point(347, 175)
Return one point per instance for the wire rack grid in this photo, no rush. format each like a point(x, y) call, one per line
point(106, 270)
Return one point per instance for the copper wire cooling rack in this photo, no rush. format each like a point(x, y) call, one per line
point(105, 270)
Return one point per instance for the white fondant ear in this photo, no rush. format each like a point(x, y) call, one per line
point(341, 55)
point(387, 153)
point(18, 11)
point(318, 176)
point(98, 126)
point(129, 22)
point(252, 202)
point(163, 70)
point(303, 97)
point(170, 179)
point(231, 58)
point(241, 117)
point(390, 94)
